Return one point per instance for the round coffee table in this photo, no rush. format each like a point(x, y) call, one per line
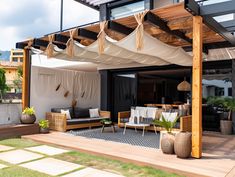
point(107, 123)
point(136, 126)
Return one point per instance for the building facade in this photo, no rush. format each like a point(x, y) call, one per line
point(17, 55)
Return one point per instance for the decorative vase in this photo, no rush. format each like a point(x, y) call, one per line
point(226, 127)
point(44, 130)
point(183, 144)
point(167, 143)
point(27, 119)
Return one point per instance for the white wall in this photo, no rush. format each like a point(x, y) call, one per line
point(43, 94)
point(10, 113)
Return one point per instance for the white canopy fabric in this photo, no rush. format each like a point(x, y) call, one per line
point(154, 47)
point(151, 52)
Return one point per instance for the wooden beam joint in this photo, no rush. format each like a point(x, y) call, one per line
point(157, 21)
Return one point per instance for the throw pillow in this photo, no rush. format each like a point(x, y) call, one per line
point(94, 113)
point(67, 113)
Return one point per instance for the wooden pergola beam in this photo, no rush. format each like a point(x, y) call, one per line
point(193, 7)
point(43, 43)
point(119, 28)
point(26, 80)
point(157, 21)
point(87, 34)
point(63, 38)
point(197, 88)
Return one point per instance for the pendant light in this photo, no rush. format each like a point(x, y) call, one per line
point(184, 86)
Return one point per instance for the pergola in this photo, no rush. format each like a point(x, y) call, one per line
point(190, 25)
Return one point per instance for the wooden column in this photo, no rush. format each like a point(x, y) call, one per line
point(26, 79)
point(197, 88)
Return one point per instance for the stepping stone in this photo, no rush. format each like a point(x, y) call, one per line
point(48, 150)
point(5, 148)
point(2, 166)
point(51, 166)
point(91, 172)
point(18, 156)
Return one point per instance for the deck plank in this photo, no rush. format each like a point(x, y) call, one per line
point(214, 162)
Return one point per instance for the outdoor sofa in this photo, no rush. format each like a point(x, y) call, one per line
point(184, 122)
point(80, 118)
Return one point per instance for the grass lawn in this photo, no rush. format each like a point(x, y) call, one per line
point(98, 162)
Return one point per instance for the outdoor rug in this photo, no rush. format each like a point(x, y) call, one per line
point(150, 139)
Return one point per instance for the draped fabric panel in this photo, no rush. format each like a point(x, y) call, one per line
point(149, 51)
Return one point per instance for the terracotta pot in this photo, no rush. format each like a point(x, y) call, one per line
point(44, 130)
point(226, 127)
point(27, 119)
point(167, 143)
point(183, 144)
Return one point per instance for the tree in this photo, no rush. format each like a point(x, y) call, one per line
point(3, 85)
point(18, 81)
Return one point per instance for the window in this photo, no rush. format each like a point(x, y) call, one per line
point(21, 60)
point(18, 53)
point(230, 91)
point(127, 10)
point(15, 59)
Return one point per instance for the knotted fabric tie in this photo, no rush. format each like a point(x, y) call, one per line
point(50, 46)
point(29, 45)
point(101, 36)
point(140, 29)
point(70, 43)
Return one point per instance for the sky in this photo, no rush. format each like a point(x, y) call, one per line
point(24, 19)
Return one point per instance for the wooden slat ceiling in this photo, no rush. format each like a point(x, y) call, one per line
point(177, 18)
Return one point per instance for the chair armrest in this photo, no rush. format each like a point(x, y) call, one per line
point(105, 114)
point(57, 121)
point(124, 114)
point(186, 123)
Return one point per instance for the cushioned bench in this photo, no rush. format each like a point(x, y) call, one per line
point(80, 118)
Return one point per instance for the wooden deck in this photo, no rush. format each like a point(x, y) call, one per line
point(17, 130)
point(218, 155)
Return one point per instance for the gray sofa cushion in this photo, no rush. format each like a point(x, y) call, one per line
point(58, 110)
point(78, 121)
point(81, 113)
point(96, 119)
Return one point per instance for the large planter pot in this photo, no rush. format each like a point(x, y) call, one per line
point(167, 143)
point(183, 144)
point(27, 119)
point(44, 130)
point(226, 127)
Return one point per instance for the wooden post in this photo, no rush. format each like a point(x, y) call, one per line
point(197, 88)
point(26, 79)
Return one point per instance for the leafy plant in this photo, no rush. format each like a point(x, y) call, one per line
point(105, 121)
point(216, 101)
point(29, 111)
point(167, 124)
point(3, 85)
point(229, 104)
point(18, 81)
point(43, 123)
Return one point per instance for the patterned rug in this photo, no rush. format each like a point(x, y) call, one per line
point(150, 139)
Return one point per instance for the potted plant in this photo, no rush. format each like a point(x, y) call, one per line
point(44, 126)
point(28, 116)
point(167, 141)
point(226, 125)
point(228, 105)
